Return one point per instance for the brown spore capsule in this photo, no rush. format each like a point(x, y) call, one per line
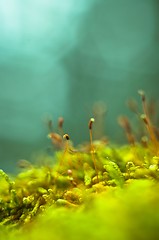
point(66, 136)
point(142, 94)
point(60, 122)
point(91, 121)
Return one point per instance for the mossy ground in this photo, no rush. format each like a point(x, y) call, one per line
point(72, 200)
point(98, 191)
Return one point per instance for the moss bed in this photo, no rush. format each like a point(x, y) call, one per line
point(99, 191)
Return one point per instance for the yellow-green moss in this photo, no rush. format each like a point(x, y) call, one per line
point(98, 191)
point(68, 201)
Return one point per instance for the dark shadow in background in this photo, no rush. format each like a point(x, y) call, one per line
point(117, 54)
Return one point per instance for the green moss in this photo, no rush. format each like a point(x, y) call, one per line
point(64, 201)
point(99, 191)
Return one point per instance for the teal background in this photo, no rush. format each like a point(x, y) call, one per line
point(57, 58)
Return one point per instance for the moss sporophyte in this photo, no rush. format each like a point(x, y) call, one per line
point(88, 184)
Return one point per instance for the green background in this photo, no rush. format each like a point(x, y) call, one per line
point(57, 58)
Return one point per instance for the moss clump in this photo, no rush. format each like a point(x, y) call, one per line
point(97, 192)
point(69, 200)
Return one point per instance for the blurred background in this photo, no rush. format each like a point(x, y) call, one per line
point(60, 57)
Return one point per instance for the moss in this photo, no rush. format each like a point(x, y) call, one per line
point(99, 191)
point(52, 201)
